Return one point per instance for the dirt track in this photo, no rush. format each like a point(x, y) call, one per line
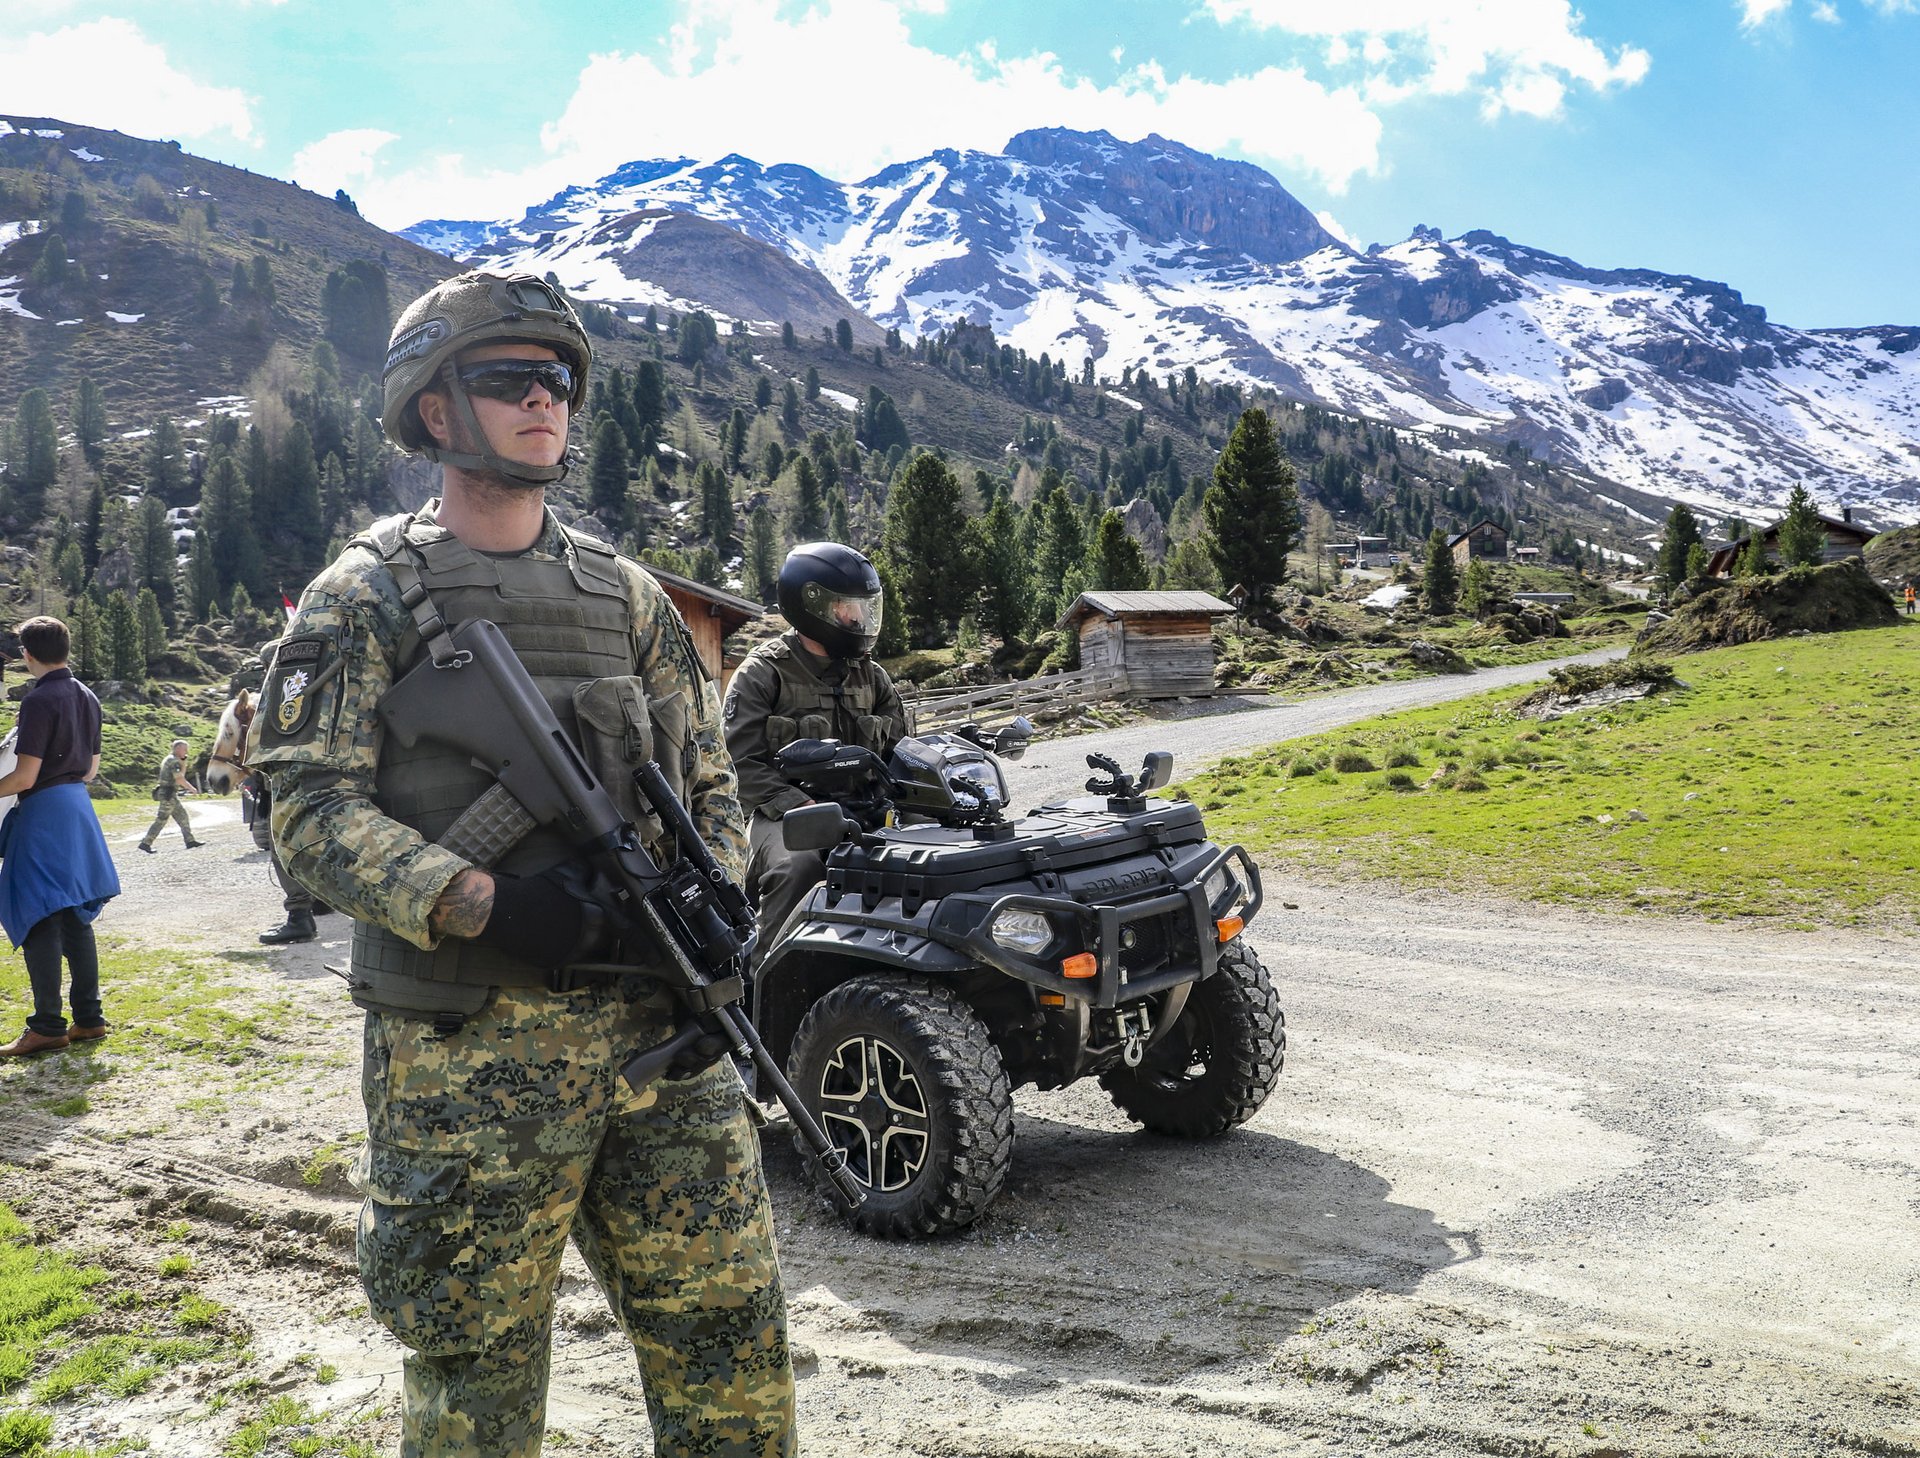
point(1532, 1184)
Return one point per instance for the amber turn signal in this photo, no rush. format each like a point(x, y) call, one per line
point(1080, 964)
point(1229, 927)
point(1053, 999)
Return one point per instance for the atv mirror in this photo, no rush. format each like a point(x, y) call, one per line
point(814, 828)
point(1011, 741)
point(1157, 770)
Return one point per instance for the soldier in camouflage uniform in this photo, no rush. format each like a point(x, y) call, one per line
point(168, 788)
point(817, 680)
point(497, 1122)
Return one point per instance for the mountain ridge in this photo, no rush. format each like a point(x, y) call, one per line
point(1152, 255)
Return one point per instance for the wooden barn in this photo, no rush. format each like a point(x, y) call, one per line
point(1482, 539)
point(712, 613)
point(1844, 539)
point(1163, 641)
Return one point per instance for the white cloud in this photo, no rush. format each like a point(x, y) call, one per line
point(687, 99)
point(1759, 12)
point(339, 158)
point(1517, 55)
point(1895, 7)
point(1825, 13)
point(106, 73)
point(1332, 224)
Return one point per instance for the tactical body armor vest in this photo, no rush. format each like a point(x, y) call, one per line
point(839, 705)
point(571, 624)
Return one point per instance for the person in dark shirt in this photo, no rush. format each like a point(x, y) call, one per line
point(55, 870)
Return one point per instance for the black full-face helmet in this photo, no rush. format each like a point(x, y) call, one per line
point(832, 594)
point(481, 307)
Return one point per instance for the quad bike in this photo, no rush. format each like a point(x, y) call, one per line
point(953, 955)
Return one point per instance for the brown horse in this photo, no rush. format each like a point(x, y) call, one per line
point(227, 764)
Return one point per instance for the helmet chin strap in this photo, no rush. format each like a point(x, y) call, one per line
point(486, 459)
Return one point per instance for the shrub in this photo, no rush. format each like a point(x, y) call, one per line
point(1402, 756)
point(1302, 767)
point(1352, 762)
point(1469, 783)
point(1399, 781)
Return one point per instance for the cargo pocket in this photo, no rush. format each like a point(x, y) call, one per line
point(873, 730)
point(673, 740)
point(616, 731)
point(416, 1244)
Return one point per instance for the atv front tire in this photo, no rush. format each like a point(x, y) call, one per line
point(906, 1082)
point(1215, 1067)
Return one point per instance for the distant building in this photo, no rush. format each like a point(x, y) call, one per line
point(1163, 641)
point(1486, 539)
point(1844, 539)
point(711, 613)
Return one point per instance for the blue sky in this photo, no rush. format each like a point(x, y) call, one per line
point(1769, 144)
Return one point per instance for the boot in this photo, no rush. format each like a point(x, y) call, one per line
point(298, 927)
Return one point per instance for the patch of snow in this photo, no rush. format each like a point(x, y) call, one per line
point(6, 128)
point(1126, 400)
point(52, 134)
point(136, 434)
point(10, 299)
point(1387, 597)
point(14, 232)
point(125, 318)
point(85, 156)
point(65, 323)
point(841, 398)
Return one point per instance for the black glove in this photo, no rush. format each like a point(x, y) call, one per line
point(551, 920)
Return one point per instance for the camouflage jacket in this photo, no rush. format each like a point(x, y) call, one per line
point(332, 836)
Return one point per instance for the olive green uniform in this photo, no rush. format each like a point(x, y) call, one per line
point(784, 692)
point(497, 1123)
point(167, 792)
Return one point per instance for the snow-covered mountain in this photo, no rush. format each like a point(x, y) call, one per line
point(1153, 255)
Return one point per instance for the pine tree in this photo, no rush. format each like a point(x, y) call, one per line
point(89, 648)
point(1752, 561)
point(125, 660)
point(1252, 511)
point(89, 418)
point(809, 510)
point(812, 383)
point(760, 568)
point(1059, 545)
point(226, 527)
point(33, 461)
point(153, 551)
point(301, 537)
point(925, 539)
point(165, 459)
point(1681, 536)
point(90, 523)
point(1115, 562)
point(736, 441)
point(153, 627)
point(790, 407)
point(649, 406)
point(607, 475)
point(1803, 540)
point(1439, 582)
point(1476, 594)
point(843, 336)
point(1006, 576)
point(203, 580)
point(837, 530)
point(762, 393)
point(786, 335)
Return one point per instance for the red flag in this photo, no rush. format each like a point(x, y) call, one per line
point(287, 603)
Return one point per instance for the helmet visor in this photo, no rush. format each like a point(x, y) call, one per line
point(857, 615)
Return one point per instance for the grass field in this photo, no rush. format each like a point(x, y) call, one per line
point(1781, 781)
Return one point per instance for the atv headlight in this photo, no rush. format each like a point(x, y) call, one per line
point(1220, 885)
point(1022, 931)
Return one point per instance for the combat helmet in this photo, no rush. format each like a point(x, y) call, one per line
point(832, 594)
point(481, 307)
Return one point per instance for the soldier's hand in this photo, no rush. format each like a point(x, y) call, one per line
point(551, 919)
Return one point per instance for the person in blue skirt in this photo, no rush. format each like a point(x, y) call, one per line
point(55, 870)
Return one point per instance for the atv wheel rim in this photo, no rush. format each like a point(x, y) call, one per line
point(875, 1111)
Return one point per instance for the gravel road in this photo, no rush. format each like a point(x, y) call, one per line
point(1534, 1183)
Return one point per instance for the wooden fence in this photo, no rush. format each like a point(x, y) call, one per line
point(930, 709)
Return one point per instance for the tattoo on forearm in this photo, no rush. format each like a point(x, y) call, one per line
point(463, 908)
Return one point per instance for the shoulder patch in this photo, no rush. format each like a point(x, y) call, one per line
point(300, 668)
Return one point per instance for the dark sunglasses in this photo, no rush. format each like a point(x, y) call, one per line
point(511, 379)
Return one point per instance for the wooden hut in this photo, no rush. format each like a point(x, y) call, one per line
point(1483, 539)
point(1845, 538)
point(1163, 641)
point(711, 613)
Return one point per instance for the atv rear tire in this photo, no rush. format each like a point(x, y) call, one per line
point(905, 1080)
point(1215, 1067)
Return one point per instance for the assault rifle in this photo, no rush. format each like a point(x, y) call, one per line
point(484, 704)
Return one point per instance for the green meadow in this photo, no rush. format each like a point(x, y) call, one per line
point(1777, 780)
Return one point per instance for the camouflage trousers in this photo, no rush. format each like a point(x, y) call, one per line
point(488, 1148)
point(170, 809)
